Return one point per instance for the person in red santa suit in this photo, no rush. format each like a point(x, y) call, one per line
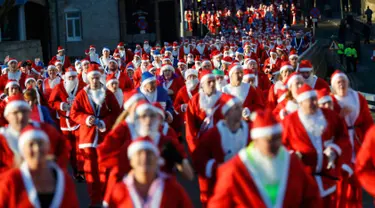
point(38, 182)
point(185, 50)
point(287, 99)
point(321, 140)
point(106, 56)
point(249, 77)
point(201, 50)
point(61, 100)
point(61, 57)
point(186, 92)
point(145, 62)
point(264, 174)
point(146, 180)
point(175, 53)
point(272, 64)
point(280, 50)
point(201, 111)
point(261, 79)
point(170, 81)
point(13, 73)
point(139, 49)
point(125, 84)
point(293, 59)
point(17, 113)
point(353, 108)
point(220, 144)
point(11, 88)
point(285, 70)
point(31, 83)
point(306, 69)
point(325, 99)
point(146, 47)
point(112, 85)
point(60, 67)
point(51, 81)
point(125, 54)
point(93, 56)
point(181, 67)
point(216, 59)
point(95, 109)
point(157, 59)
point(39, 113)
point(225, 63)
point(243, 91)
point(265, 53)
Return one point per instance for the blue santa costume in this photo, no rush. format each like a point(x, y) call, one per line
point(160, 95)
point(298, 44)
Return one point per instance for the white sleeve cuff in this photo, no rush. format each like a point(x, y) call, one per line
point(335, 147)
point(347, 169)
point(102, 127)
point(62, 109)
point(87, 121)
point(209, 166)
point(170, 114)
point(281, 114)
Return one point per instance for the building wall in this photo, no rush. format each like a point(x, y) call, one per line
point(21, 50)
point(100, 24)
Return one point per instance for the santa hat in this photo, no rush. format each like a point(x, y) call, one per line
point(281, 94)
point(248, 73)
point(324, 96)
point(106, 49)
point(58, 62)
point(31, 133)
point(92, 47)
point(60, 48)
point(29, 78)
point(293, 54)
point(93, 70)
point(145, 58)
point(87, 52)
point(337, 74)
point(230, 101)
point(137, 54)
point(166, 67)
point(181, 62)
point(147, 77)
point(50, 67)
point(145, 42)
point(116, 53)
point(120, 45)
point(83, 61)
point(142, 143)
point(285, 65)
point(112, 60)
point(131, 97)
point(280, 48)
point(264, 125)
point(156, 53)
point(150, 68)
point(111, 78)
point(305, 66)
point(293, 77)
point(175, 45)
point(70, 71)
point(11, 82)
point(206, 61)
point(205, 75)
point(15, 102)
point(190, 72)
point(12, 60)
point(218, 72)
point(142, 106)
point(130, 66)
point(305, 92)
point(166, 58)
point(159, 109)
point(233, 68)
point(240, 51)
point(216, 53)
point(226, 60)
point(273, 51)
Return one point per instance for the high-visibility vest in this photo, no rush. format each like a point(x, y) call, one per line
point(348, 52)
point(340, 51)
point(354, 52)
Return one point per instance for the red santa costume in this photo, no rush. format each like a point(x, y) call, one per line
point(174, 84)
point(61, 99)
point(125, 83)
point(271, 65)
point(102, 106)
point(244, 180)
point(185, 49)
point(13, 75)
point(64, 59)
point(4, 102)
point(93, 56)
point(163, 192)
point(244, 92)
point(279, 85)
point(138, 72)
point(49, 84)
point(314, 81)
point(321, 140)
point(125, 55)
point(201, 111)
point(10, 155)
point(118, 93)
point(104, 61)
point(186, 93)
point(217, 146)
point(358, 121)
point(201, 50)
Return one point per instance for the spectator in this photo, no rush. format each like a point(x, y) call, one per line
point(368, 13)
point(366, 32)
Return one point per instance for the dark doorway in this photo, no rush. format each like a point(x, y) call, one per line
point(38, 27)
point(167, 15)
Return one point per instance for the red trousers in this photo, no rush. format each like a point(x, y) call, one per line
point(76, 159)
point(349, 193)
point(95, 176)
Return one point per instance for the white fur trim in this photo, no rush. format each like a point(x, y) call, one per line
point(86, 145)
point(286, 67)
point(58, 62)
point(32, 135)
point(61, 106)
point(306, 95)
point(225, 62)
point(111, 81)
point(11, 83)
point(335, 147)
point(338, 75)
point(11, 61)
point(169, 113)
point(111, 60)
point(206, 77)
point(141, 145)
point(347, 169)
point(266, 131)
point(325, 99)
point(92, 73)
point(29, 79)
point(230, 103)
point(148, 80)
point(281, 98)
point(293, 55)
point(87, 121)
point(190, 72)
point(209, 166)
point(106, 49)
point(305, 69)
point(160, 112)
point(235, 68)
point(12, 106)
point(166, 67)
point(70, 73)
point(103, 127)
point(248, 76)
point(147, 106)
point(132, 100)
point(84, 61)
point(292, 79)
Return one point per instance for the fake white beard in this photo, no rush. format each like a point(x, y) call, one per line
point(84, 78)
point(14, 75)
point(103, 79)
point(143, 68)
point(207, 102)
point(310, 80)
point(54, 82)
point(216, 64)
point(191, 84)
point(60, 58)
point(119, 96)
point(197, 66)
point(220, 85)
point(136, 63)
point(142, 131)
point(98, 96)
point(69, 85)
point(190, 60)
point(105, 61)
point(156, 64)
point(146, 47)
point(150, 96)
point(122, 53)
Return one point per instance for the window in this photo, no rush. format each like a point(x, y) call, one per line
point(73, 26)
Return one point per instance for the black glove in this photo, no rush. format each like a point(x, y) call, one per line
point(169, 152)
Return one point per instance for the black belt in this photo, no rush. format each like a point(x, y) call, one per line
point(351, 127)
point(327, 176)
